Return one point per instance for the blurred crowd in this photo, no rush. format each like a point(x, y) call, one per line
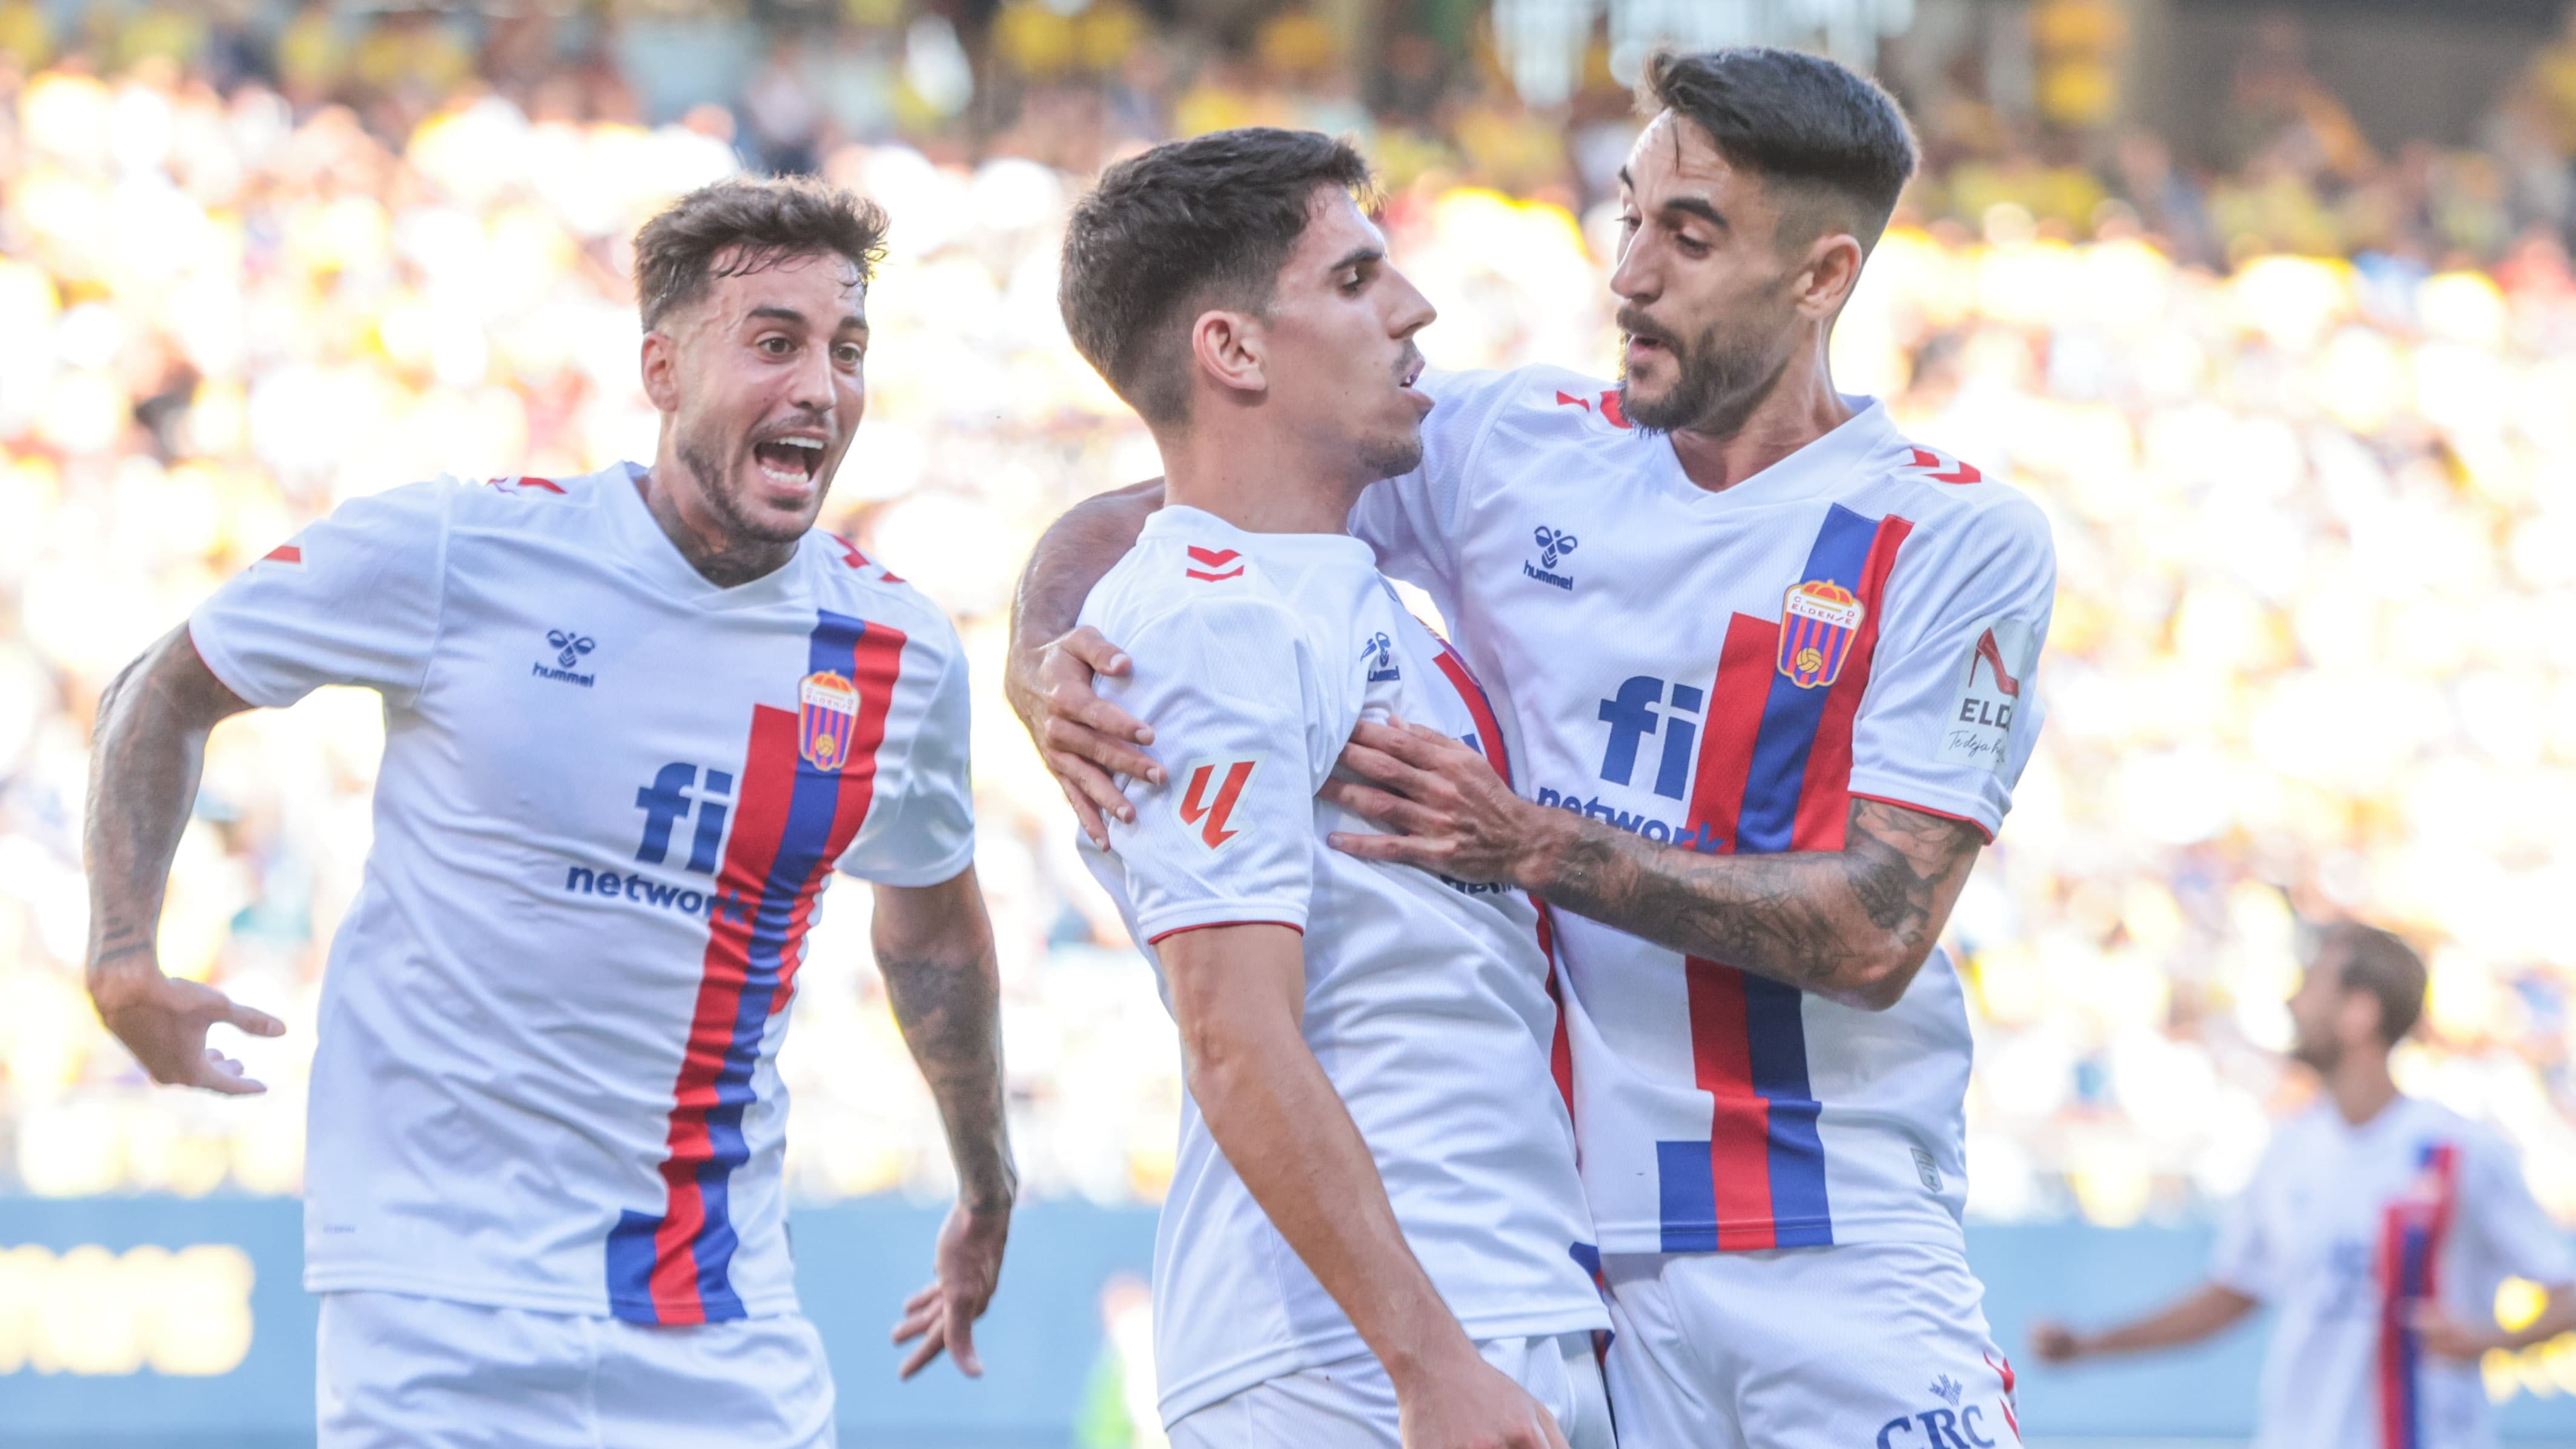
point(2314, 496)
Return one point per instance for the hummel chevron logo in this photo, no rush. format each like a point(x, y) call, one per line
point(1211, 812)
point(1960, 470)
point(1216, 560)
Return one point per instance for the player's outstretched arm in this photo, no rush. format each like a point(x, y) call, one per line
point(1853, 924)
point(1238, 993)
point(1084, 740)
point(145, 755)
point(2206, 1310)
point(935, 946)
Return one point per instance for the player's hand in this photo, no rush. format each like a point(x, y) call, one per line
point(2448, 1337)
point(965, 1269)
point(2054, 1342)
point(1084, 739)
point(163, 1020)
point(1473, 1405)
point(1450, 811)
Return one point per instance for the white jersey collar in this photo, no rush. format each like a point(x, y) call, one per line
point(652, 553)
point(1828, 462)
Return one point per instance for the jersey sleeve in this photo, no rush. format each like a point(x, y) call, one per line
point(930, 836)
point(353, 599)
point(1412, 520)
point(1953, 706)
point(2509, 1221)
point(2245, 1258)
point(1228, 838)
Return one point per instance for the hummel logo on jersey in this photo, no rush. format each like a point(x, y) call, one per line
point(569, 646)
point(1215, 786)
point(1383, 667)
point(1215, 564)
point(1553, 544)
point(1631, 716)
point(669, 800)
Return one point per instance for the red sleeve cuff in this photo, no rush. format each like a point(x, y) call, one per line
point(1971, 822)
point(1157, 940)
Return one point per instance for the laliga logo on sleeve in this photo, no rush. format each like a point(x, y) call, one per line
point(1992, 689)
point(1817, 622)
point(827, 714)
point(1215, 785)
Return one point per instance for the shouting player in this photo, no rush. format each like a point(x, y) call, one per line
point(1375, 1231)
point(633, 721)
point(2379, 1224)
point(1770, 669)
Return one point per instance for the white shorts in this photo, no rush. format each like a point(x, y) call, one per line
point(1866, 1346)
point(398, 1370)
point(1351, 1404)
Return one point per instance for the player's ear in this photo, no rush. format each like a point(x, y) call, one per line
point(661, 368)
point(1230, 348)
point(1832, 269)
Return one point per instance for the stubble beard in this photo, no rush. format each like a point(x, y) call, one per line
point(1724, 373)
point(1391, 457)
point(716, 486)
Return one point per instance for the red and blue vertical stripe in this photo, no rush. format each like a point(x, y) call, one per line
point(1774, 775)
point(2410, 1248)
point(1488, 741)
point(792, 821)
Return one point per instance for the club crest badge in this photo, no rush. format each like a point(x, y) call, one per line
point(1817, 623)
point(827, 715)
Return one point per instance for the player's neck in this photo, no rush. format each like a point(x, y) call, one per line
point(1256, 483)
point(2361, 1087)
point(1800, 406)
point(720, 558)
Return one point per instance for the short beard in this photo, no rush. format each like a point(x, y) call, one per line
point(2321, 1057)
point(715, 485)
point(1726, 371)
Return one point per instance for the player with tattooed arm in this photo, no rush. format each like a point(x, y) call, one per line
point(1768, 671)
point(634, 721)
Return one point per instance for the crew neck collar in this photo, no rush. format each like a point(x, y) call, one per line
point(652, 552)
point(1819, 465)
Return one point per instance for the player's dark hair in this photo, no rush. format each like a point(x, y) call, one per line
point(1185, 227)
point(1829, 144)
point(742, 224)
point(2380, 965)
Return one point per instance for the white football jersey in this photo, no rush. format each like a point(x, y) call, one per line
point(612, 794)
point(1428, 1002)
point(2344, 1230)
point(1725, 672)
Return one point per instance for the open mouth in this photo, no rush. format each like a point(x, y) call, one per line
point(791, 461)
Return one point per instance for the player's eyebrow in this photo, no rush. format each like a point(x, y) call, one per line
point(1698, 206)
point(1357, 255)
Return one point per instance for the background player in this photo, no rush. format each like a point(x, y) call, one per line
point(632, 721)
point(1366, 1048)
point(2379, 1224)
point(1772, 669)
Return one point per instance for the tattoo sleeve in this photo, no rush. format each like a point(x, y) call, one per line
point(935, 946)
point(1852, 924)
point(145, 754)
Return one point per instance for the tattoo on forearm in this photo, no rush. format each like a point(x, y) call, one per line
point(1818, 920)
point(146, 752)
point(949, 1012)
